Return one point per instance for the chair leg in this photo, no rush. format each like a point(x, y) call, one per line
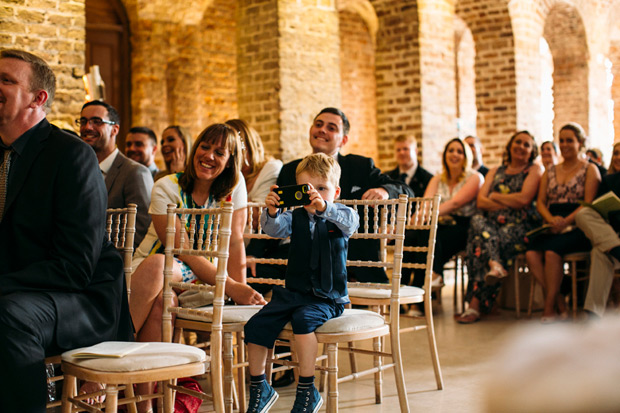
point(168, 396)
point(323, 373)
point(241, 371)
point(332, 377)
point(130, 393)
point(111, 397)
point(69, 389)
point(530, 304)
point(269, 367)
point(516, 273)
point(377, 344)
point(432, 342)
point(399, 374)
point(228, 373)
point(352, 358)
point(573, 275)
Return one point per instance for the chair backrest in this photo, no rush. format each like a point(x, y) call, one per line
point(203, 232)
point(383, 220)
point(120, 229)
point(422, 215)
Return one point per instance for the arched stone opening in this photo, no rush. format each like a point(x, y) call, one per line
point(465, 56)
point(357, 74)
point(565, 33)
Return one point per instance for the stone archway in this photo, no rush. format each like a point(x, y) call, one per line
point(565, 33)
point(358, 26)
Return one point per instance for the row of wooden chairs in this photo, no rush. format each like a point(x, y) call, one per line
point(576, 266)
point(207, 233)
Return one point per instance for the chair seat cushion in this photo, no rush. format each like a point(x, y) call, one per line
point(405, 291)
point(232, 313)
point(152, 356)
point(352, 319)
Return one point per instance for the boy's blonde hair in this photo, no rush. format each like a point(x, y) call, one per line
point(319, 164)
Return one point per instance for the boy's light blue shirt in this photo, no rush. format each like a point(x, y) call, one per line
point(344, 217)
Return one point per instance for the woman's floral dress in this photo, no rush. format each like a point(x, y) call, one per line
point(497, 235)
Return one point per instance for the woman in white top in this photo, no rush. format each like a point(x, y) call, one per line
point(458, 185)
point(212, 175)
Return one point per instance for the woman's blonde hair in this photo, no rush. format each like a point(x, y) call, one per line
point(321, 165)
point(185, 137)
point(611, 169)
point(252, 144)
point(469, 157)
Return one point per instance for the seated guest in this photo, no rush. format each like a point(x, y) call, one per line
point(359, 179)
point(603, 234)
point(476, 147)
point(63, 286)
point(260, 171)
point(408, 169)
point(562, 188)
point(497, 233)
point(458, 186)
point(141, 146)
point(175, 145)
point(614, 165)
point(595, 156)
point(549, 154)
point(212, 175)
point(127, 181)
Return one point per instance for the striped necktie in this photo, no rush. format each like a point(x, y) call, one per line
point(4, 177)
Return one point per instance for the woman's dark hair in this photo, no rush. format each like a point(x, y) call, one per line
point(508, 158)
point(468, 159)
point(218, 134)
point(553, 145)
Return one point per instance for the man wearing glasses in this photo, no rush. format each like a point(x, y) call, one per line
point(126, 181)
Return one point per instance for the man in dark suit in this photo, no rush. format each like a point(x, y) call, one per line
point(125, 180)
point(359, 179)
point(141, 146)
point(408, 169)
point(605, 255)
point(61, 284)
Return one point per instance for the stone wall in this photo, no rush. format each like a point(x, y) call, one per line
point(53, 30)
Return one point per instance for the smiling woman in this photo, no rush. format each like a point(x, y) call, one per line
point(176, 143)
point(212, 175)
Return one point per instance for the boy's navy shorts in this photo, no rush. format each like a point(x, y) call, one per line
point(305, 312)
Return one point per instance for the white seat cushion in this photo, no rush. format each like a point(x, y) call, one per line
point(232, 313)
point(379, 293)
point(352, 319)
point(154, 355)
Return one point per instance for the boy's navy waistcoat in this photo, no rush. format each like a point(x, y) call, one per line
point(299, 276)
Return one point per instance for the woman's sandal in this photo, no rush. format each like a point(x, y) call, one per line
point(495, 274)
point(469, 316)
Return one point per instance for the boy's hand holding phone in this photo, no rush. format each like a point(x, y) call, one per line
point(272, 200)
point(316, 201)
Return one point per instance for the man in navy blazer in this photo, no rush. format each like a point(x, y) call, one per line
point(61, 283)
point(125, 180)
point(359, 179)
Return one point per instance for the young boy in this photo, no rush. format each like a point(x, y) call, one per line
point(316, 280)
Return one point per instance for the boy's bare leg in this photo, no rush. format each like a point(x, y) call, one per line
point(257, 357)
point(307, 348)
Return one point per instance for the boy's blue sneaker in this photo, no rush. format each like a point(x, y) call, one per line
point(307, 400)
point(262, 397)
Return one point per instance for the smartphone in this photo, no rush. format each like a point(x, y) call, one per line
point(293, 195)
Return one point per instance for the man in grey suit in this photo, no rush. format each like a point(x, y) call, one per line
point(126, 181)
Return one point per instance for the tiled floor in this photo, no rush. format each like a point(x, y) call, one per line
point(467, 360)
